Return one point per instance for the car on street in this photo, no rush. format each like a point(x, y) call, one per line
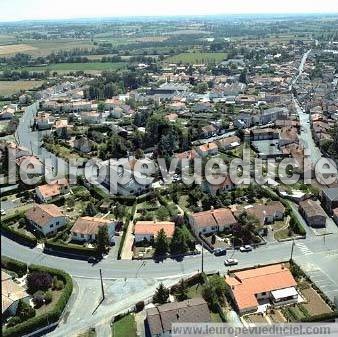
point(93, 259)
point(220, 252)
point(230, 262)
point(246, 248)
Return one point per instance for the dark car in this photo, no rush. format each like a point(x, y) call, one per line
point(93, 259)
point(220, 252)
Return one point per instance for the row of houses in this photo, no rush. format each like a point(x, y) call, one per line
point(48, 219)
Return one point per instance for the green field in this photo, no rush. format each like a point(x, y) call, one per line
point(90, 67)
point(197, 58)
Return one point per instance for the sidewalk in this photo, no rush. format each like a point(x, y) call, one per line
point(127, 253)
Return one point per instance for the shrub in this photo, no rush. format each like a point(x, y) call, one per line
point(25, 311)
point(139, 306)
point(48, 296)
point(59, 285)
point(18, 267)
point(38, 281)
point(13, 321)
point(39, 298)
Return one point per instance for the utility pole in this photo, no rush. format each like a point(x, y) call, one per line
point(102, 288)
point(202, 258)
point(292, 247)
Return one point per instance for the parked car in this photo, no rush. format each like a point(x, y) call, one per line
point(93, 259)
point(3, 212)
point(246, 248)
point(230, 262)
point(220, 252)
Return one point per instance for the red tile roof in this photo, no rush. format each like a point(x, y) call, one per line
point(246, 284)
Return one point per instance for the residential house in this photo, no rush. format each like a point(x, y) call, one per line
point(44, 121)
point(30, 164)
point(148, 230)
point(159, 319)
point(184, 158)
point(8, 112)
point(91, 117)
point(228, 143)
point(214, 189)
point(54, 189)
point(11, 294)
point(272, 284)
point(47, 219)
point(330, 199)
point(264, 134)
point(272, 115)
point(213, 221)
point(313, 213)
point(86, 229)
point(208, 131)
point(243, 121)
point(266, 214)
point(208, 149)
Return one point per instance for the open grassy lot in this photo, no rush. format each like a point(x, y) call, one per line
point(124, 327)
point(90, 67)
point(197, 58)
point(12, 49)
point(41, 47)
point(315, 304)
point(8, 88)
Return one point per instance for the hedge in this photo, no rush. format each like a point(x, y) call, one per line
point(50, 317)
point(16, 235)
point(329, 317)
point(67, 249)
point(20, 268)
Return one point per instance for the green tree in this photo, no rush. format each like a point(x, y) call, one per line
point(102, 240)
point(161, 243)
point(181, 292)
point(161, 295)
point(179, 242)
point(24, 311)
point(90, 210)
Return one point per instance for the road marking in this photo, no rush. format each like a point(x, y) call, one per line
point(303, 248)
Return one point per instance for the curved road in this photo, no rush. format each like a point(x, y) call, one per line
point(315, 254)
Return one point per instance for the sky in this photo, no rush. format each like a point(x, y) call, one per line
point(12, 10)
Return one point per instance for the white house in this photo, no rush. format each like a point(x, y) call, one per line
point(86, 228)
point(212, 221)
point(47, 219)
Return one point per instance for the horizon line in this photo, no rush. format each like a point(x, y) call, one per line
point(172, 16)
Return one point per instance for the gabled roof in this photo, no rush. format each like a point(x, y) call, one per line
point(161, 318)
point(88, 225)
point(216, 217)
point(152, 228)
point(42, 214)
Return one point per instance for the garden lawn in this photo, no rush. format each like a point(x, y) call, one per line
point(125, 327)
